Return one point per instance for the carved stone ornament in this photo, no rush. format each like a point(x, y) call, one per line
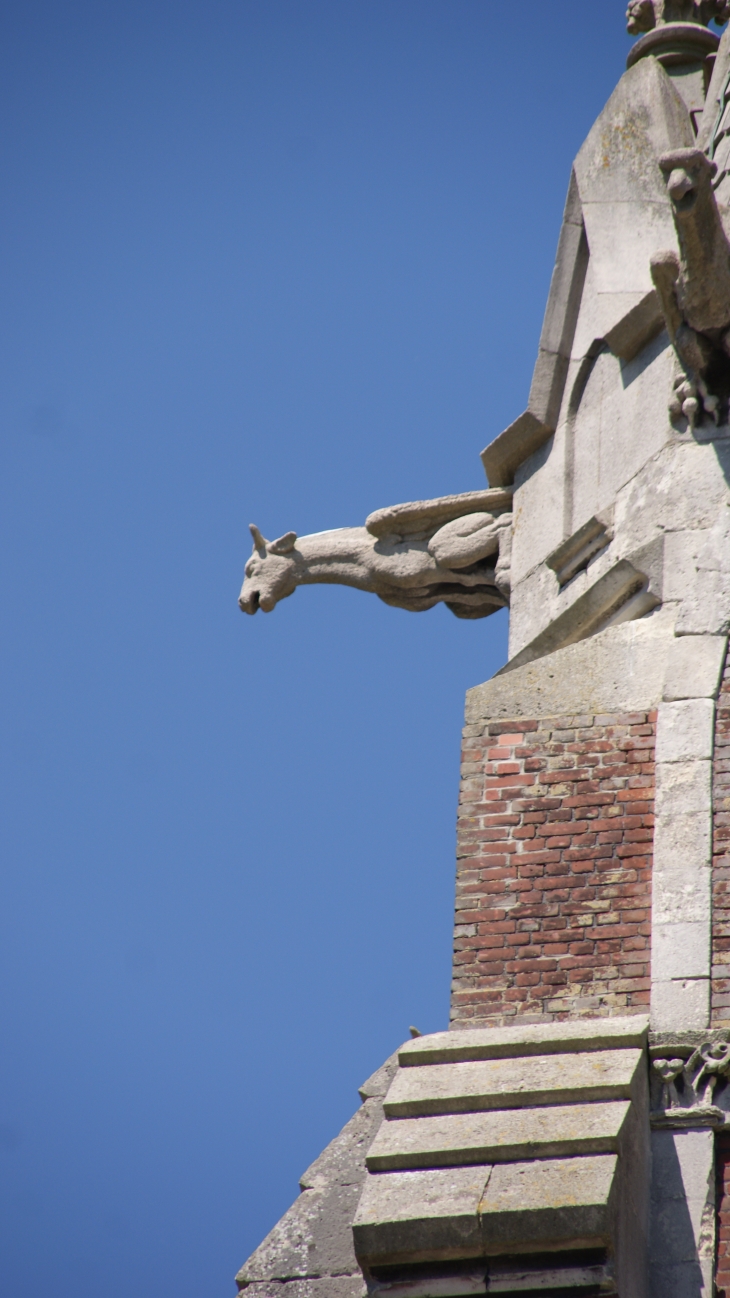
point(694, 289)
point(453, 550)
point(645, 15)
point(689, 1086)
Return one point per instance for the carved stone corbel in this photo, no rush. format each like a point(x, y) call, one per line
point(689, 1082)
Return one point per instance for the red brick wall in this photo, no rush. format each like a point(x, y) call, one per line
point(554, 869)
point(721, 858)
point(722, 1202)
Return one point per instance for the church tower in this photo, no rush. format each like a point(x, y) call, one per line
point(569, 1134)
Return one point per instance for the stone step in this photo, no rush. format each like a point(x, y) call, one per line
point(406, 1217)
point(512, 1083)
point(528, 1039)
point(507, 1135)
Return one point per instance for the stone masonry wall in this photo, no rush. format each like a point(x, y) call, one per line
point(721, 857)
point(553, 899)
point(722, 1203)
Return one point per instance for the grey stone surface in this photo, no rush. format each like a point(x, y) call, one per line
point(461, 1212)
point(573, 555)
point(377, 1084)
point(620, 670)
point(683, 787)
point(420, 1215)
point(532, 1130)
point(632, 331)
point(618, 595)
point(595, 454)
point(313, 1240)
point(682, 1234)
point(524, 1039)
point(625, 206)
point(558, 1200)
point(510, 449)
point(681, 878)
point(706, 604)
point(680, 1003)
point(513, 1083)
point(329, 1287)
point(694, 667)
point(681, 894)
point(685, 730)
point(532, 429)
point(682, 840)
point(681, 949)
point(509, 1135)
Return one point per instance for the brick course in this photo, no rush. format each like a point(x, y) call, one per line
point(721, 857)
point(553, 895)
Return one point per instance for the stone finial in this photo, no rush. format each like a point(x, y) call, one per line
point(645, 15)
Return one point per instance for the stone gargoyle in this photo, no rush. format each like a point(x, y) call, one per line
point(454, 550)
point(694, 288)
point(645, 15)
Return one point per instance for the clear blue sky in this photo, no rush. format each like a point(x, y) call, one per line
point(281, 261)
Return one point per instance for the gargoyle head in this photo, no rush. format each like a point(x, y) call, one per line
point(644, 15)
point(688, 173)
point(270, 572)
point(640, 16)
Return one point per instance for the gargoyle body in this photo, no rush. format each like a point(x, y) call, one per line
point(694, 287)
point(453, 550)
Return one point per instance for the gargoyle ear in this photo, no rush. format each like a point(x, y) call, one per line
point(283, 545)
point(260, 542)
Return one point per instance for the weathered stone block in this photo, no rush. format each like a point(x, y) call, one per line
point(681, 1004)
point(619, 670)
point(694, 666)
point(682, 839)
point(683, 787)
point(683, 1211)
point(415, 1215)
point(510, 1135)
point(556, 1201)
point(680, 950)
point(680, 894)
point(462, 1212)
point(512, 1083)
point(685, 730)
point(523, 1040)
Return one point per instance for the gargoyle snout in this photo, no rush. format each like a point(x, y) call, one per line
point(255, 595)
point(686, 171)
point(680, 184)
point(248, 600)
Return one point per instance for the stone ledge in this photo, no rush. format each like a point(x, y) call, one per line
point(512, 1135)
point(527, 1039)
